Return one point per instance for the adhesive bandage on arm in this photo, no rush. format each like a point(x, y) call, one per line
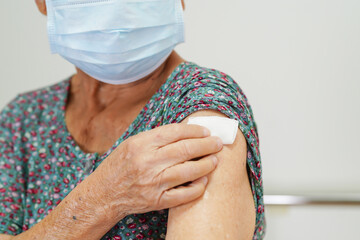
point(222, 127)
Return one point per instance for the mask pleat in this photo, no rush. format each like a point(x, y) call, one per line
point(110, 73)
point(115, 58)
point(97, 16)
point(115, 41)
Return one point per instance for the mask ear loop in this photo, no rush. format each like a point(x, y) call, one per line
point(50, 25)
point(180, 20)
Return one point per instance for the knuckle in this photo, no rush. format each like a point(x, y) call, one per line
point(167, 132)
point(125, 152)
point(164, 200)
point(159, 136)
point(134, 158)
point(186, 150)
point(136, 147)
point(162, 181)
point(197, 169)
point(162, 134)
point(167, 178)
point(132, 145)
point(177, 129)
point(177, 125)
point(182, 174)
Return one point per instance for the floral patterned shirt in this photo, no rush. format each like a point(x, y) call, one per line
point(40, 163)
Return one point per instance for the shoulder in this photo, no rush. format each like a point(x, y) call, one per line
point(32, 108)
point(35, 101)
point(194, 79)
point(196, 88)
point(197, 91)
point(45, 97)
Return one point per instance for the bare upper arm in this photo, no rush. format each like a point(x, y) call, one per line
point(226, 210)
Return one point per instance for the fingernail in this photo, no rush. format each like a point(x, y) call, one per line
point(215, 160)
point(204, 180)
point(207, 132)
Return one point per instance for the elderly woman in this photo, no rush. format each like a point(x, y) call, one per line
point(108, 153)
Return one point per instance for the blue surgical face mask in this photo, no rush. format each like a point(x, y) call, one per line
point(115, 41)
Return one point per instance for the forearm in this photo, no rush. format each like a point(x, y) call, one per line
point(6, 237)
point(83, 214)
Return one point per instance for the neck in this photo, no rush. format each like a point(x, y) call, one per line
point(95, 94)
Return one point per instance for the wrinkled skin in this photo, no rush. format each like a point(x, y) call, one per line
point(142, 174)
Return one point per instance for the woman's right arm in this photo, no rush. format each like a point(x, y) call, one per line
point(78, 216)
point(141, 175)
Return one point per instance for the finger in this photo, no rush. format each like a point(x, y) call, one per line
point(187, 172)
point(181, 195)
point(171, 133)
point(189, 149)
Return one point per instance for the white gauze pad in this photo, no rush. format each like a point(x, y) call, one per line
point(224, 128)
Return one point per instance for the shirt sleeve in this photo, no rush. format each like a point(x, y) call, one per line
point(12, 179)
point(217, 91)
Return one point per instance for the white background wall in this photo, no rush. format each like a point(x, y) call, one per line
point(298, 61)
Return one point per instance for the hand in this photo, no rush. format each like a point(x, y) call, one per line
point(145, 172)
